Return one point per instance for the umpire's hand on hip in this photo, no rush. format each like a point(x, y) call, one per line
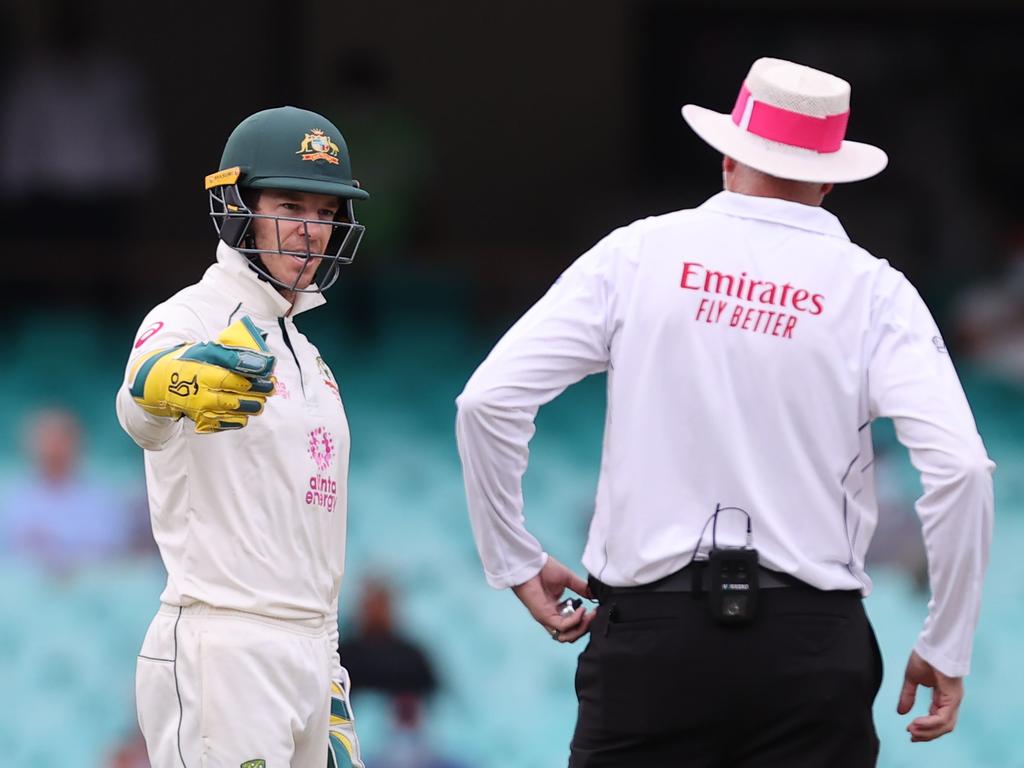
point(947, 694)
point(218, 385)
point(541, 595)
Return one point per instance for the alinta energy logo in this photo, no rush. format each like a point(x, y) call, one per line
point(323, 489)
point(317, 145)
point(321, 448)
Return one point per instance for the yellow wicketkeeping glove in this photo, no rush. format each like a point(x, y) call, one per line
point(342, 744)
point(218, 385)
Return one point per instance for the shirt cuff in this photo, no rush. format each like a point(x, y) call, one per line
point(947, 666)
point(519, 575)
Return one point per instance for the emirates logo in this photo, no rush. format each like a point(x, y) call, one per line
point(321, 448)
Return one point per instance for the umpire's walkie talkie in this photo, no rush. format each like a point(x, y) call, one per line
point(732, 587)
point(732, 578)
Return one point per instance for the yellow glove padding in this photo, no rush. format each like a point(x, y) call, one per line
point(207, 381)
point(343, 747)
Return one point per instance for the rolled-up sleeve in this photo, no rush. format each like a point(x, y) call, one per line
point(911, 380)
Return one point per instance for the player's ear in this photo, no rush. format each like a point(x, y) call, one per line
point(728, 168)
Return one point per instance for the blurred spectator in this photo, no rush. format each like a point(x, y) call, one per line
point(407, 744)
point(54, 515)
point(130, 753)
point(379, 657)
point(989, 317)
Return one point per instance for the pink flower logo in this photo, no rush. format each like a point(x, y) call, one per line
point(321, 448)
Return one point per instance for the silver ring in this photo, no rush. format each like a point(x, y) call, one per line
point(554, 633)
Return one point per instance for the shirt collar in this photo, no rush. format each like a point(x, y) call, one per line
point(233, 275)
point(809, 217)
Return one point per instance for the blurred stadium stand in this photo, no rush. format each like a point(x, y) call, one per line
point(68, 647)
point(542, 126)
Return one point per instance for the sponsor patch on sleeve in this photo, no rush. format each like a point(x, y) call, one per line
point(149, 333)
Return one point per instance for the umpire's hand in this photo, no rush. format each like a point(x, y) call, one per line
point(947, 694)
point(541, 595)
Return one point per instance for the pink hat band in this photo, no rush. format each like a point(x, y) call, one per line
point(822, 134)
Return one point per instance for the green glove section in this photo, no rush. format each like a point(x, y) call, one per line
point(343, 749)
point(218, 385)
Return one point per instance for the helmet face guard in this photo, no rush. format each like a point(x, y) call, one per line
point(232, 219)
point(295, 150)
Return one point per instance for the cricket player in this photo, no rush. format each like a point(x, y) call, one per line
point(246, 449)
point(749, 345)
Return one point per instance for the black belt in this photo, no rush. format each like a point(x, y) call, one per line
point(691, 579)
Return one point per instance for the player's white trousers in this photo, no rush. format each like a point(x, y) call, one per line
point(217, 688)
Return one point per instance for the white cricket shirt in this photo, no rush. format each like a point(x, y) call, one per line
point(250, 519)
point(748, 344)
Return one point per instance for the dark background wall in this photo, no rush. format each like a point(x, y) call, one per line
point(513, 136)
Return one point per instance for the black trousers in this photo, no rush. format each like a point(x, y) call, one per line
point(662, 685)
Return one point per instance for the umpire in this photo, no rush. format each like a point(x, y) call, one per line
point(749, 345)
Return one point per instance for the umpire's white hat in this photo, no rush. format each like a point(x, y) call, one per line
point(789, 121)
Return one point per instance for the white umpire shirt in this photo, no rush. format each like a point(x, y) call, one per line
point(748, 344)
point(250, 519)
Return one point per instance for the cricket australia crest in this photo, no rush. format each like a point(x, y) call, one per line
point(317, 145)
